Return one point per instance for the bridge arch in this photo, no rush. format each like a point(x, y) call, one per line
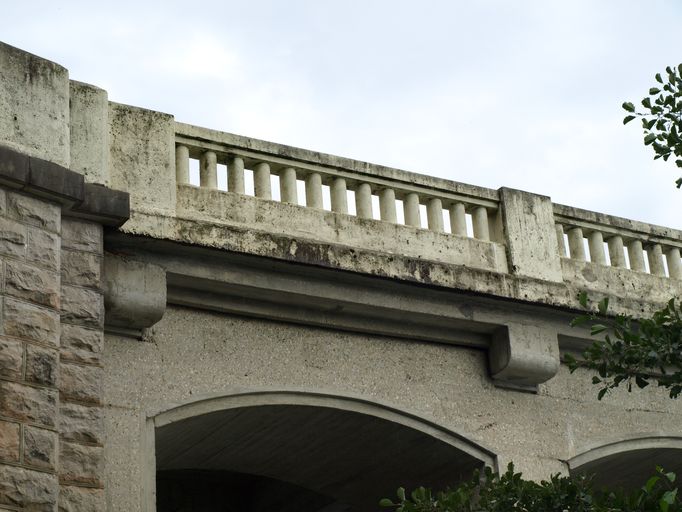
point(628, 462)
point(298, 450)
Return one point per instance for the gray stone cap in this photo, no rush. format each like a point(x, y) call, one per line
point(239, 142)
point(56, 183)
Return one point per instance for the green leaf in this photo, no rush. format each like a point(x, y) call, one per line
point(650, 483)
point(628, 106)
point(658, 78)
point(628, 119)
point(401, 493)
point(654, 90)
point(649, 139)
point(582, 299)
point(646, 102)
point(601, 393)
point(671, 476)
point(385, 502)
point(603, 305)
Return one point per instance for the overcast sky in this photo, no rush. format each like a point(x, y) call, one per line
point(524, 94)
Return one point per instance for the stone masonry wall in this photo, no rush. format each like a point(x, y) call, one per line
point(29, 352)
point(51, 432)
point(80, 415)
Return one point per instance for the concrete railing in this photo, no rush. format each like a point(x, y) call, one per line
point(311, 180)
point(613, 241)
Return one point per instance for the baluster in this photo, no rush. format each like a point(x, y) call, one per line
point(561, 244)
point(596, 243)
point(363, 201)
point(287, 186)
point(576, 246)
point(261, 180)
point(235, 175)
point(208, 170)
point(387, 205)
point(434, 214)
point(479, 219)
point(313, 190)
point(339, 196)
point(636, 254)
point(411, 208)
point(655, 255)
point(674, 264)
point(182, 165)
point(616, 251)
point(458, 220)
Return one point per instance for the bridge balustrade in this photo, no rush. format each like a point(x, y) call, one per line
point(467, 215)
point(612, 241)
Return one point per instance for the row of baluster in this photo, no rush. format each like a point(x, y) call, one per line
point(338, 186)
point(616, 246)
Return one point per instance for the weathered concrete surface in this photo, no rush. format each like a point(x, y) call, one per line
point(34, 105)
point(530, 235)
point(89, 125)
point(142, 157)
point(134, 293)
point(214, 207)
point(218, 353)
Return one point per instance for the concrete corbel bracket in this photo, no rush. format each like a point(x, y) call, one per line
point(134, 295)
point(522, 356)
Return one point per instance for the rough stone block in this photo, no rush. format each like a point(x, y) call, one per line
point(80, 235)
point(34, 211)
point(11, 358)
point(81, 383)
point(12, 238)
point(81, 423)
point(40, 448)
point(28, 490)
point(9, 441)
point(28, 403)
point(42, 365)
point(81, 268)
point(79, 464)
point(25, 320)
point(32, 284)
point(82, 306)
point(81, 344)
point(43, 248)
point(81, 499)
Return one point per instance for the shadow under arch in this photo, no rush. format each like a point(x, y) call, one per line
point(628, 462)
point(298, 450)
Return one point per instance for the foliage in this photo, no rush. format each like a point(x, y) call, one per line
point(640, 352)
point(662, 116)
point(510, 492)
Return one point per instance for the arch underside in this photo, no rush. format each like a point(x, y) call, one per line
point(298, 457)
point(628, 464)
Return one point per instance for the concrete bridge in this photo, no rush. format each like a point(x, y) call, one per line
point(198, 321)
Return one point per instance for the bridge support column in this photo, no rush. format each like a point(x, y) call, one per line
point(51, 306)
